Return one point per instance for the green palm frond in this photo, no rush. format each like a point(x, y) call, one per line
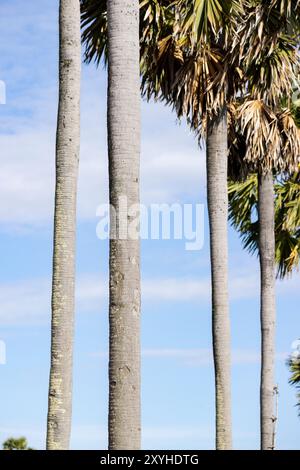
point(295, 369)
point(243, 215)
point(153, 19)
point(196, 54)
point(204, 19)
point(243, 204)
point(270, 75)
point(266, 44)
point(94, 29)
point(294, 366)
point(288, 202)
point(190, 67)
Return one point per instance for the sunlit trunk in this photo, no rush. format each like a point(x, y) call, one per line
point(124, 178)
point(67, 156)
point(268, 306)
point(217, 196)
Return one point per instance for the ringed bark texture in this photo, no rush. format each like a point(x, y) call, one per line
point(268, 307)
point(63, 280)
point(217, 196)
point(124, 177)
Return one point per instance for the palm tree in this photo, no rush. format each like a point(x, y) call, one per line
point(207, 80)
point(124, 177)
point(243, 193)
point(270, 62)
point(161, 38)
point(63, 284)
point(111, 35)
point(192, 53)
point(191, 65)
point(271, 139)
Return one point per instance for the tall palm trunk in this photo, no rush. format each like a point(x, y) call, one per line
point(217, 196)
point(268, 308)
point(124, 169)
point(67, 157)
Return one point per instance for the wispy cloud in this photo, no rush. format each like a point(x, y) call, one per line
point(28, 302)
point(198, 357)
point(172, 167)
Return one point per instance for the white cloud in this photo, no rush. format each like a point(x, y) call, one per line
point(242, 285)
point(172, 167)
point(24, 302)
point(176, 289)
point(28, 302)
point(198, 357)
point(168, 173)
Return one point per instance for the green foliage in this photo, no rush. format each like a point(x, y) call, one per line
point(153, 18)
point(94, 29)
point(243, 196)
point(198, 54)
point(294, 366)
point(243, 209)
point(266, 44)
point(243, 204)
point(16, 444)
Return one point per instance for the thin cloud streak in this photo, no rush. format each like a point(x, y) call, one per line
point(28, 302)
point(198, 357)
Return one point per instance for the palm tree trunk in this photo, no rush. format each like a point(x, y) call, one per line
point(63, 281)
point(268, 308)
point(124, 174)
point(217, 196)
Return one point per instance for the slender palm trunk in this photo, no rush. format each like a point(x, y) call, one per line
point(124, 174)
point(268, 308)
point(63, 282)
point(217, 195)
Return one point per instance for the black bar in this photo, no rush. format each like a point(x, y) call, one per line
point(135, 459)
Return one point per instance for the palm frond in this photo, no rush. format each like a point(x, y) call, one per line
point(294, 366)
point(258, 124)
point(243, 197)
point(94, 29)
point(205, 19)
point(243, 215)
point(265, 43)
point(243, 203)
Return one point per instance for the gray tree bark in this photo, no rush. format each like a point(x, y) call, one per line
point(268, 307)
point(63, 280)
point(217, 196)
point(124, 174)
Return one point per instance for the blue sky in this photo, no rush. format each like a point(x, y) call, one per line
point(178, 388)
